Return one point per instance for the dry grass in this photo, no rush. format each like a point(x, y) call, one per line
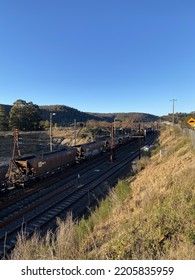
point(62, 245)
point(150, 216)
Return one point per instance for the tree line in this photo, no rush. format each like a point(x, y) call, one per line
point(27, 116)
point(23, 115)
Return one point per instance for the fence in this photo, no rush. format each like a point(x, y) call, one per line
point(190, 133)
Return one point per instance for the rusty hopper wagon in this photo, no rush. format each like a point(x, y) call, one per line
point(34, 167)
point(90, 150)
point(3, 172)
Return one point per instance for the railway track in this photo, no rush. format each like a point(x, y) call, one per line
point(38, 211)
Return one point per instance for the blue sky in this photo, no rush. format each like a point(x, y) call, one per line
point(99, 55)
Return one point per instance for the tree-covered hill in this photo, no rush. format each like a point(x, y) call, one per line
point(64, 115)
point(133, 117)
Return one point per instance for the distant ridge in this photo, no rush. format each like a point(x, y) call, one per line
point(134, 117)
point(65, 115)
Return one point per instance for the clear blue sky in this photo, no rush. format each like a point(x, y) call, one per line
point(99, 55)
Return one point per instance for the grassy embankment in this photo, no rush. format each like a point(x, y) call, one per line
point(148, 216)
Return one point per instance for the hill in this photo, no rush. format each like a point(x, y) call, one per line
point(65, 115)
point(149, 215)
point(132, 117)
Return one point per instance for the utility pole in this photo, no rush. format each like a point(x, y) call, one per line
point(114, 127)
point(75, 132)
point(173, 106)
point(112, 148)
point(50, 136)
point(139, 142)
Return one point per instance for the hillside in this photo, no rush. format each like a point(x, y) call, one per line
point(65, 115)
point(133, 117)
point(150, 215)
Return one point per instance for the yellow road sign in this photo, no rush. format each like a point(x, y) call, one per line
point(191, 121)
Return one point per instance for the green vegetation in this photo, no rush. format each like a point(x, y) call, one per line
point(28, 116)
point(180, 118)
point(147, 216)
point(65, 116)
point(3, 119)
point(24, 116)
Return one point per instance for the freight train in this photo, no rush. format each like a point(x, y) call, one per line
point(28, 169)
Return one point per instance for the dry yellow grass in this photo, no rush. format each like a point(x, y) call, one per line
point(149, 216)
point(158, 222)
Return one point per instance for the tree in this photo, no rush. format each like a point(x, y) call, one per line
point(3, 119)
point(25, 115)
point(44, 124)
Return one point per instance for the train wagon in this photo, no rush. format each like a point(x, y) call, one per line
point(123, 140)
point(115, 143)
point(33, 167)
point(3, 172)
point(118, 141)
point(90, 150)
